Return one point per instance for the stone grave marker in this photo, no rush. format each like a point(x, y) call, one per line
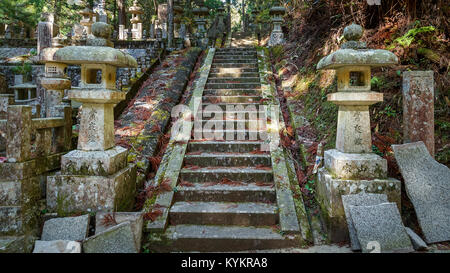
point(361, 199)
point(380, 226)
point(67, 228)
point(427, 184)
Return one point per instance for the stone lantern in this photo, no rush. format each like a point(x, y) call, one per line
point(136, 21)
point(87, 19)
point(277, 36)
point(200, 13)
point(55, 81)
point(96, 176)
point(351, 167)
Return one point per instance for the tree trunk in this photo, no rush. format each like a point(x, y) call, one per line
point(243, 16)
point(170, 24)
point(122, 12)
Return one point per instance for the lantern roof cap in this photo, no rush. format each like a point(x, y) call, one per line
point(96, 52)
point(354, 53)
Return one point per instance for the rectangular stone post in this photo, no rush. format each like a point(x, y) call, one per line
point(18, 133)
point(46, 31)
point(418, 108)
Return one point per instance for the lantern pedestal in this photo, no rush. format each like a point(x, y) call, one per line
point(96, 176)
point(352, 167)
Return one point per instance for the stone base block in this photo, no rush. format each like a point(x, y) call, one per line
point(81, 193)
point(19, 206)
point(355, 166)
point(17, 244)
point(100, 163)
point(329, 191)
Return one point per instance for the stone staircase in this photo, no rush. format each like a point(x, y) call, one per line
point(226, 198)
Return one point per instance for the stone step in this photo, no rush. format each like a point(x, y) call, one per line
point(234, 65)
point(232, 92)
point(234, 75)
point(223, 213)
point(233, 80)
point(227, 159)
point(241, 56)
point(256, 85)
point(233, 70)
point(233, 134)
point(235, 61)
point(258, 124)
point(234, 107)
point(215, 238)
point(231, 99)
point(226, 193)
point(224, 146)
point(217, 174)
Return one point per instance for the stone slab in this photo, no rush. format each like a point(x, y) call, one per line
point(355, 166)
point(361, 199)
point(78, 193)
point(67, 228)
point(135, 218)
point(416, 241)
point(329, 191)
point(380, 226)
point(101, 163)
point(427, 184)
point(58, 246)
point(117, 239)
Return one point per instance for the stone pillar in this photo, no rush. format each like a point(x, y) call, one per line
point(151, 34)
point(352, 167)
point(121, 32)
point(96, 176)
point(418, 108)
point(46, 31)
point(162, 19)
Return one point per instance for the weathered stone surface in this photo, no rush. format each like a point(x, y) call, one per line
point(355, 166)
point(416, 241)
point(117, 239)
point(94, 54)
point(361, 199)
point(92, 193)
point(19, 244)
point(427, 185)
point(101, 163)
point(58, 246)
point(135, 218)
point(380, 225)
point(329, 192)
point(418, 108)
point(67, 228)
point(346, 57)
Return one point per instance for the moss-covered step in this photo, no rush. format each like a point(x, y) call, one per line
point(224, 213)
point(246, 175)
point(227, 159)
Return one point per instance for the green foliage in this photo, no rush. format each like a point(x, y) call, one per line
point(20, 11)
point(24, 69)
point(410, 36)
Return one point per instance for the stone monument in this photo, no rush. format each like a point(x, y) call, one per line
point(418, 108)
point(136, 21)
point(277, 36)
point(96, 176)
point(200, 13)
point(87, 19)
point(352, 167)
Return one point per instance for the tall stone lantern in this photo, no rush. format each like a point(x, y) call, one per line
point(95, 176)
point(277, 36)
point(352, 167)
point(136, 21)
point(87, 19)
point(200, 13)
